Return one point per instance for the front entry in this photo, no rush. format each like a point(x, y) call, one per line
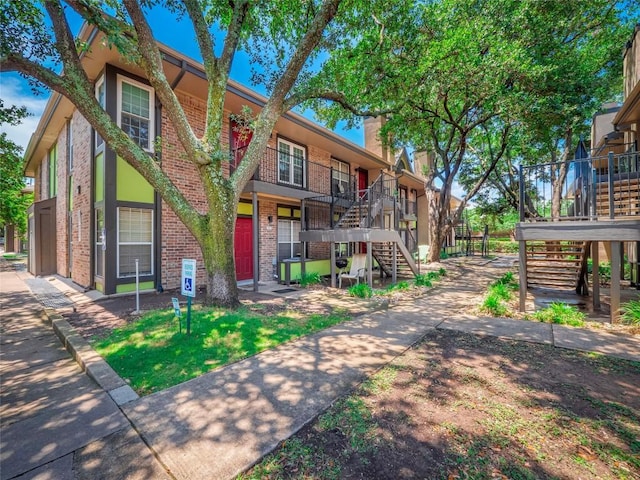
point(243, 248)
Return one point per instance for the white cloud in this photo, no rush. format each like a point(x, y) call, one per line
point(14, 90)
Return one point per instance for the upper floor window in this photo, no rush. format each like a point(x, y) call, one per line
point(135, 111)
point(291, 163)
point(70, 144)
point(339, 176)
point(100, 97)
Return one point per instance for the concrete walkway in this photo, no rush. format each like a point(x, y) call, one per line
point(219, 424)
point(55, 422)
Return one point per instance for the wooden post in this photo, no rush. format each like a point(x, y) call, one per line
point(595, 274)
point(615, 281)
point(522, 273)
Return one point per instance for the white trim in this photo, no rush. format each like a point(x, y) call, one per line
point(291, 164)
point(122, 79)
point(151, 243)
point(99, 83)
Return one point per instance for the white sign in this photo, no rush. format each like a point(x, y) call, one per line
point(176, 307)
point(188, 279)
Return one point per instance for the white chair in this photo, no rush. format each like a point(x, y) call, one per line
point(358, 269)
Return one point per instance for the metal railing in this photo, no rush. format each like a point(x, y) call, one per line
point(583, 189)
point(282, 168)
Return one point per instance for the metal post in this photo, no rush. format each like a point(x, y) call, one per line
point(611, 202)
point(255, 221)
point(137, 288)
point(303, 245)
point(188, 315)
point(332, 248)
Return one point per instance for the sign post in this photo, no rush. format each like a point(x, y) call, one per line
point(188, 286)
point(176, 309)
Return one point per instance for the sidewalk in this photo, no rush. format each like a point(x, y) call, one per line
point(221, 423)
point(55, 422)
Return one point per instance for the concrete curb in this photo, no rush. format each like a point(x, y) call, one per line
point(90, 362)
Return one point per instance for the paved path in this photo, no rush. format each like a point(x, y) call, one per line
point(217, 425)
point(55, 422)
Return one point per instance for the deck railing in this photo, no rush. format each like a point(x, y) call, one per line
point(281, 168)
point(606, 187)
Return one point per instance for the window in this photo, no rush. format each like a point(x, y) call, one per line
point(53, 171)
point(288, 238)
point(344, 249)
point(290, 163)
point(340, 180)
point(135, 112)
point(100, 96)
point(135, 241)
point(101, 243)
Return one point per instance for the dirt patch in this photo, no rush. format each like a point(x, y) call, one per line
point(458, 406)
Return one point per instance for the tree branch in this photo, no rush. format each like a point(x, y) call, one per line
point(151, 62)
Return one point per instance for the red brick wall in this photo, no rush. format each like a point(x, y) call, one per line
point(81, 194)
point(62, 205)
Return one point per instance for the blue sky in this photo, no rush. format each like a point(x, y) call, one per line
point(177, 33)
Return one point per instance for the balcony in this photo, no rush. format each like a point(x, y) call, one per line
point(597, 188)
point(296, 176)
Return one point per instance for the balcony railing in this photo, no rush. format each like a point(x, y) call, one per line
point(367, 206)
point(281, 168)
point(606, 187)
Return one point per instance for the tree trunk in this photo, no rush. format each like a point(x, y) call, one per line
point(438, 226)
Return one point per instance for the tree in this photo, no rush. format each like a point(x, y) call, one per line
point(446, 74)
point(577, 45)
point(13, 203)
point(457, 78)
point(37, 42)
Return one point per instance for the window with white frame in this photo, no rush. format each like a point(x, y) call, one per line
point(290, 163)
point(100, 97)
point(135, 241)
point(135, 111)
point(288, 238)
point(339, 176)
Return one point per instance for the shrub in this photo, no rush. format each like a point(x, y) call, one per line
point(444, 255)
point(560, 314)
point(360, 290)
point(423, 280)
point(631, 313)
point(310, 278)
point(501, 291)
point(494, 305)
point(442, 271)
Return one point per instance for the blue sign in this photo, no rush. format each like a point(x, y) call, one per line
point(188, 278)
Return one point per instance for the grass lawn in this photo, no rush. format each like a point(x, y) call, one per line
point(458, 406)
point(152, 355)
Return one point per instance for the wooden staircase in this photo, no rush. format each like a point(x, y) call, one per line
point(626, 198)
point(558, 265)
point(383, 253)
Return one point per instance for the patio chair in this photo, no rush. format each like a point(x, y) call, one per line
point(358, 269)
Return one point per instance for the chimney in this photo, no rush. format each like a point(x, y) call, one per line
point(372, 141)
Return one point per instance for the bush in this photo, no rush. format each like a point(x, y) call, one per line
point(361, 290)
point(631, 313)
point(494, 305)
point(423, 280)
point(308, 279)
point(560, 314)
point(442, 271)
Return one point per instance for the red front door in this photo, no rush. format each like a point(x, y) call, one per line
point(363, 181)
point(243, 248)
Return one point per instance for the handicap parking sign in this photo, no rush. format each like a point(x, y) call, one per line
point(188, 278)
